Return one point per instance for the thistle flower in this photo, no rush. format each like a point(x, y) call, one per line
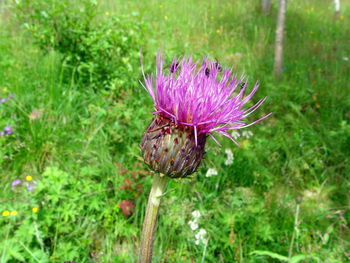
point(192, 100)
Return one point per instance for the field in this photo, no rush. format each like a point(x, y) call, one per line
point(74, 184)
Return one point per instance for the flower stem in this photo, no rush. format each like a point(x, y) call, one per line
point(295, 231)
point(150, 221)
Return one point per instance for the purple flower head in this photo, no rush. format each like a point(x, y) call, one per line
point(31, 185)
point(3, 100)
point(11, 96)
point(203, 96)
point(8, 130)
point(15, 182)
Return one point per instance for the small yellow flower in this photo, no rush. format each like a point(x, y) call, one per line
point(218, 31)
point(29, 178)
point(165, 17)
point(245, 143)
point(318, 106)
point(35, 209)
point(14, 213)
point(6, 213)
point(107, 13)
point(5, 89)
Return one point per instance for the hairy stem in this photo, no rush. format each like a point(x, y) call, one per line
point(150, 221)
point(295, 231)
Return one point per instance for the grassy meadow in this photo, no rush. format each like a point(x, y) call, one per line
point(74, 185)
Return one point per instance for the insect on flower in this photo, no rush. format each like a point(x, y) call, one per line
point(217, 65)
point(174, 66)
point(202, 98)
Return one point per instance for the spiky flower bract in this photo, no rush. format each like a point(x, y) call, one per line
point(192, 100)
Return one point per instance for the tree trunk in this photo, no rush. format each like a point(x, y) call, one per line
point(266, 6)
point(277, 69)
point(337, 7)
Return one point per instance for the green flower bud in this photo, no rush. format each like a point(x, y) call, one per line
point(171, 149)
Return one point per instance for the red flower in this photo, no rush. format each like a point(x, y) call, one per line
point(127, 207)
point(127, 185)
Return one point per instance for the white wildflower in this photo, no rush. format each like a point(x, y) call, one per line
point(201, 237)
point(193, 224)
point(229, 159)
point(201, 233)
point(247, 134)
point(235, 135)
point(211, 172)
point(196, 214)
point(346, 58)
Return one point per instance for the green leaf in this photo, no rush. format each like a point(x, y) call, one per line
point(270, 254)
point(300, 257)
point(16, 254)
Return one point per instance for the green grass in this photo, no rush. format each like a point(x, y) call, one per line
point(86, 143)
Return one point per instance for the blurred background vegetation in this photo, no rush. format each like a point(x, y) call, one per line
point(74, 186)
